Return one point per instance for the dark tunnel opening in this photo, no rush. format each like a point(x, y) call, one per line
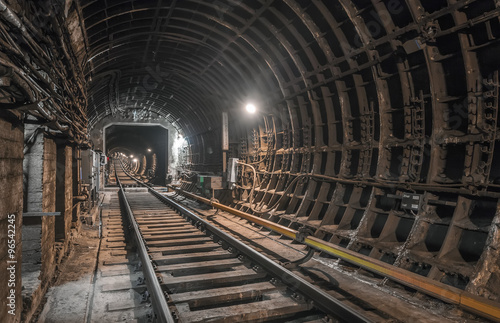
point(139, 142)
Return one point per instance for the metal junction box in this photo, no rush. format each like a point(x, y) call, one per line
point(411, 201)
point(211, 182)
point(232, 171)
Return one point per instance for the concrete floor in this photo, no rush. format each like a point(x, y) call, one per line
point(67, 300)
point(86, 291)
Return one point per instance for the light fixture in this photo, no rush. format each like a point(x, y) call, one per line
point(135, 160)
point(131, 156)
point(149, 149)
point(251, 108)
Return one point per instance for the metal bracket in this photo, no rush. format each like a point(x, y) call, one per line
point(302, 233)
point(294, 264)
point(144, 296)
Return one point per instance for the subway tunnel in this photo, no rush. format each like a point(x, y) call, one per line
point(366, 127)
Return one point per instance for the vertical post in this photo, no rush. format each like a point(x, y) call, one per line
point(77, 181)
point(225, 141)
point(64, 190)
point(224, 162)
point(98, 176)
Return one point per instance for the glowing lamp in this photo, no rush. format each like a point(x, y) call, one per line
point(251, 108)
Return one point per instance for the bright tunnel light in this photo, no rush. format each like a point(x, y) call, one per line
point(251, 108)
point(135, 160)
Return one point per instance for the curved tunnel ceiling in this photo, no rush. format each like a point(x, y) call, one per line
point(185, 60)
point(179, 59)
point(381, 77)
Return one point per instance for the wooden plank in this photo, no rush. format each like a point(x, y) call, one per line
point(153, 232)
point(185, 249)
point(115, 239)
point(178, 225)
point(174, 235)
point(224, 294)
point(158, 221)
point(279, 307)
point(169, 227)
point(115, 227)
point(178, 242)
point(154, 214)
point(119, 262)
point(116, 245)
point(200, 267)
point(191, 257)
point(195, 282)
point(112, 234)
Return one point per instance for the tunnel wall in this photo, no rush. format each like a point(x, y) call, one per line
point(381, 99)
point(11, 191)
point(47, 188)
point(337, 193)
point(42, 85)
point(48, 205)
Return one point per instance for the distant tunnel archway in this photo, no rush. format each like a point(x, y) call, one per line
point(140, 140)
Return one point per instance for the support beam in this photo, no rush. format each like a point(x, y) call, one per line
point(64, 191)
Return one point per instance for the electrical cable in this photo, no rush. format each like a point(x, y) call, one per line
point(51, 85)
point(250, 198)
point(285, 193)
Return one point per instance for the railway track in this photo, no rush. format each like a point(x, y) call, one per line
point(194, 272)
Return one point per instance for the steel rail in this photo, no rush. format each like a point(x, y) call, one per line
point(449, 294)
point(320, 298)
point(158, 299)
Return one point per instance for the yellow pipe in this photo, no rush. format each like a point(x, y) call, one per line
point(449, 294)
point(265, 223)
